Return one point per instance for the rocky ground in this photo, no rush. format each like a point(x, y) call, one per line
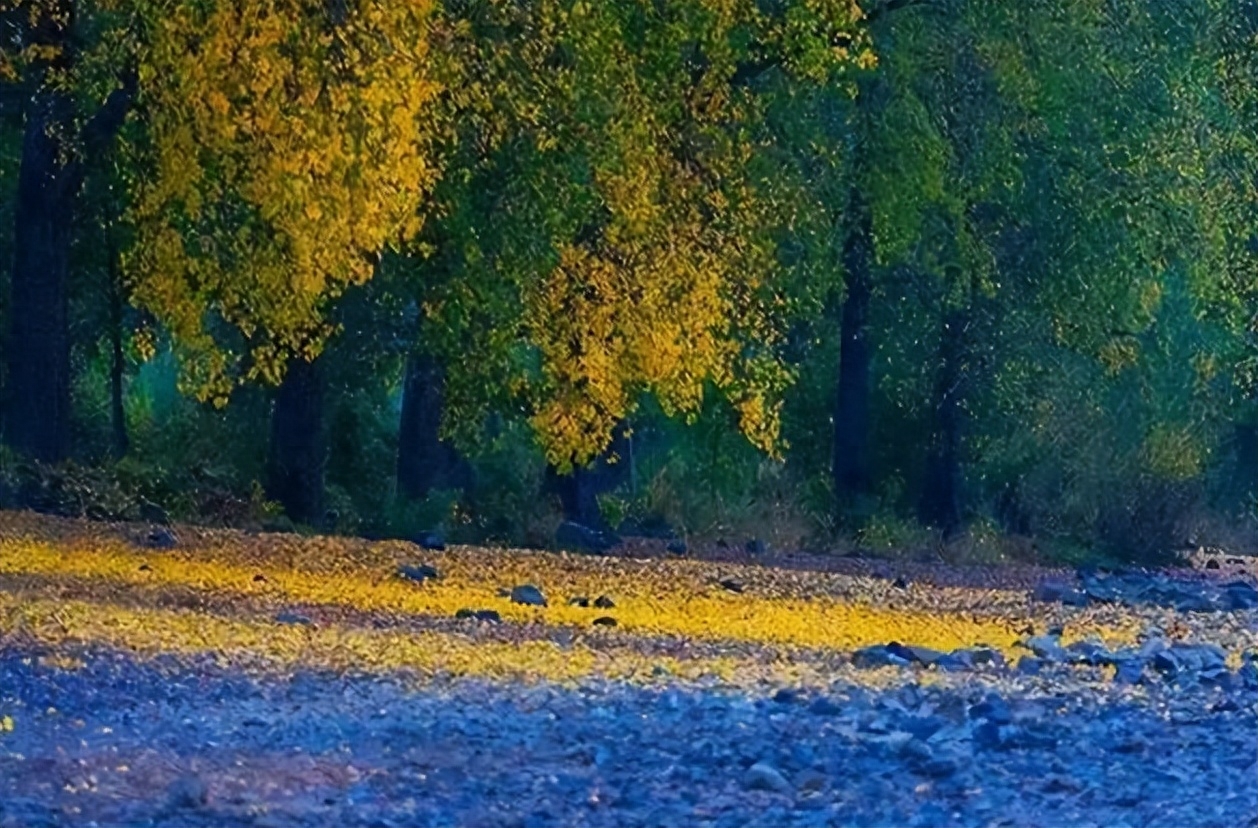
point(175, 742)
point(230, 680)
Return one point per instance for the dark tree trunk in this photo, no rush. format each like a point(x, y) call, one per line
point(851, 461)
point(942, 498)
point(49, 179)
point(424, 461)
point(579, 489)
point(296, 458)
point(38, 422)
point(578, 494)
point(118, 364)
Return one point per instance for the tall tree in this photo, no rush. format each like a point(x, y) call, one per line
point(43, 52)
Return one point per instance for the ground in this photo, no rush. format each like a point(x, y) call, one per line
point(195, 677)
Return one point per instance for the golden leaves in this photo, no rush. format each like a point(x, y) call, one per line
point(302, 150)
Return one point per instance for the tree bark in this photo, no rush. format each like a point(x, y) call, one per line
point(118, 364)
point(850, 465)
point(423, 460)
point(295, 462)
point(942, 497)
point(50, 177)
point(38, 422)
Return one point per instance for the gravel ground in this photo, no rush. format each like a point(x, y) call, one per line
point(111, 741)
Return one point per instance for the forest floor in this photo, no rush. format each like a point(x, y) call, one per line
point(153, 676)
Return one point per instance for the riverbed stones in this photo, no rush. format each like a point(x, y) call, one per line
point(529, 595)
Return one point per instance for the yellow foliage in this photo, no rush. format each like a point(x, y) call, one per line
point(285, 151)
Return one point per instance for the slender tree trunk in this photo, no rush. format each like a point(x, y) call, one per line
point(38, 422)
point(423, 460)
point(851, 461)
point(942, 497)
point(117, 368)
point(295, 464)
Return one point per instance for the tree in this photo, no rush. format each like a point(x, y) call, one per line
point(50, 62)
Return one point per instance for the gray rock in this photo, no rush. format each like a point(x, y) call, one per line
point(1030, 666)
point(160, 537)
point(287, 617)
point(604, 621)
point(822, 706)
point(786, 696)
point(811, 781)
point(529, 595)
point(764, 777)
point(603, 602)
point(993, 708)
point(1128, 669)
point(877, 656)
point(916, 655)
point(1088, 652)
point(418, 574)
point(1059, 593)
point(579, 601)
point(187, 792)
point(1047, 647)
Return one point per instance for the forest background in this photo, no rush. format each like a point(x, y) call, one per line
point(967, 278)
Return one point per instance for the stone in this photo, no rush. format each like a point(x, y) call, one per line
point(1128, 670)
point(604, 621)
point(1212, 564)
point(187, 792)
point(732, 585)
point(489, 615)
point(811, 780)
point(580, 538)
point(529, 595)
point(603, 602)
point(764, 777)
point(287, 617)
point(259, 578)
point(1046, 647)
point(822, 706)
point(1088, 652)
point(160, 538)
point(1058, 593)
point(900, 583)
point(877, 656)
point(1029, 666)
point(993, 708)
point(579, 601)
point(418, 574)
point(786, 696)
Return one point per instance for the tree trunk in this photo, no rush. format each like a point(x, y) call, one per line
point(38, 422)
point(117, 368)
point(851, 460)
point(579, 489)
point(423, 460)
point(942, 497)
point(295, 463)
